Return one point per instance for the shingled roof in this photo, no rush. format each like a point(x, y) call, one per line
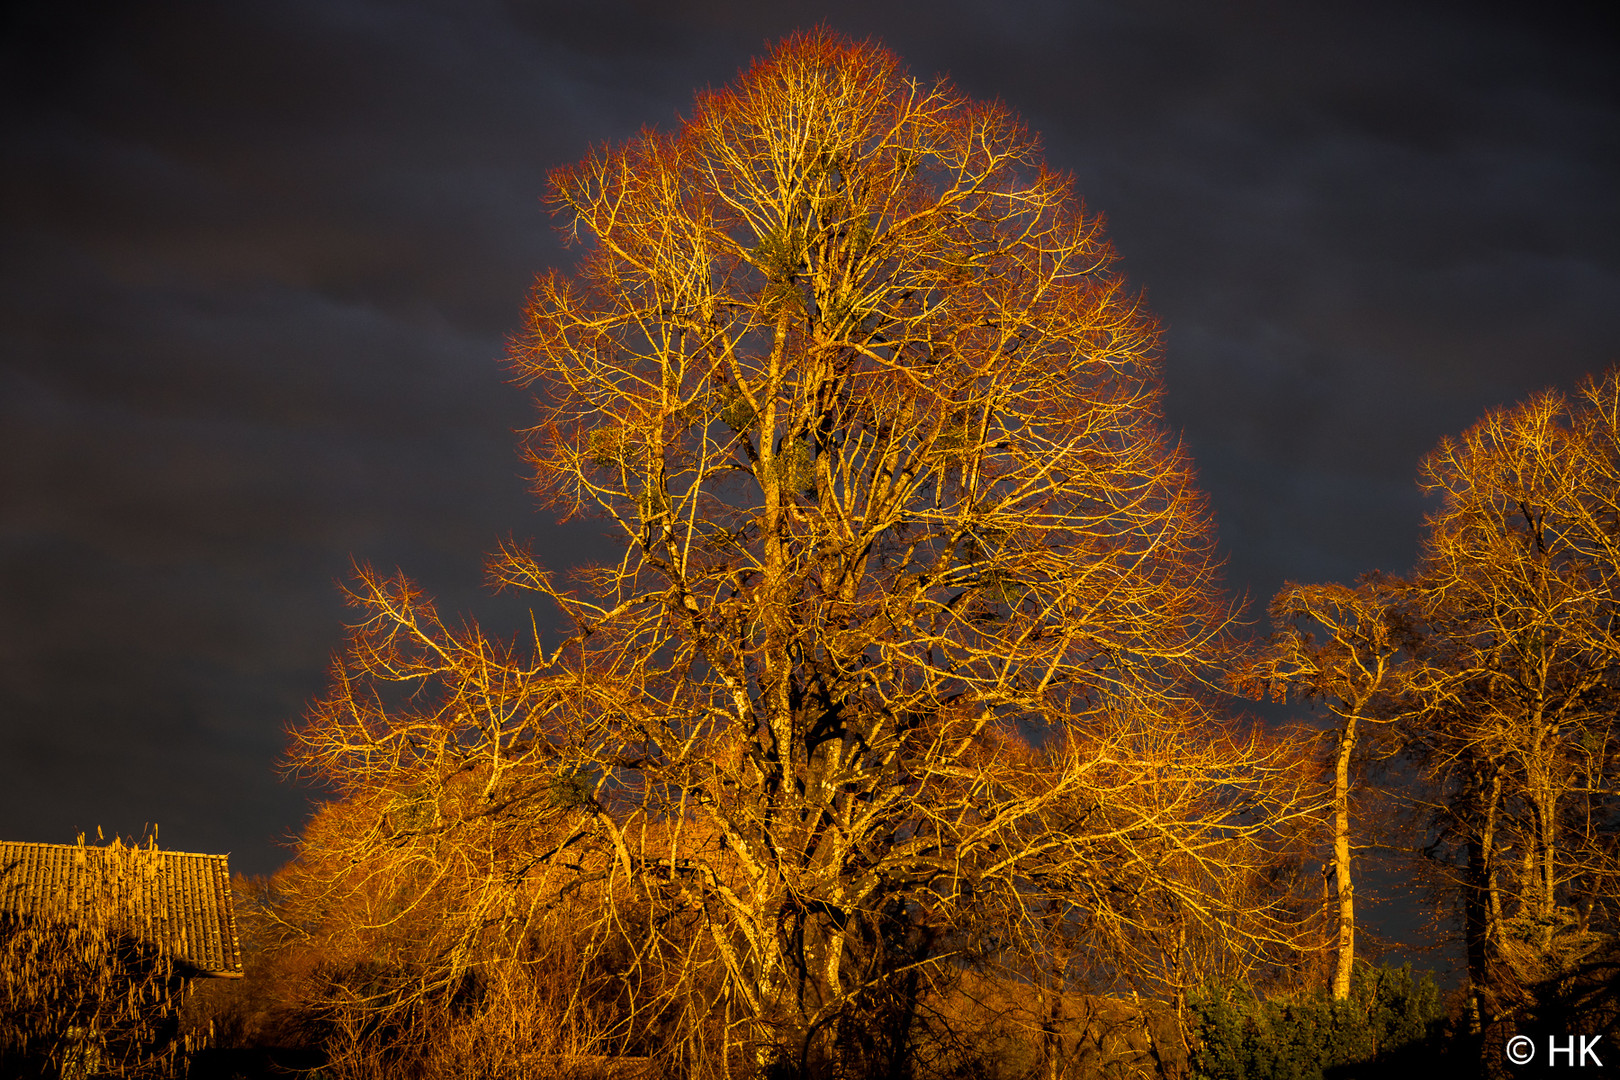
point(179, 901)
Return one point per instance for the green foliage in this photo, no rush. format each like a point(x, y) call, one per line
point(411, 810)
point(1303, 1036)
point(781, 255)
point(606, 446)
point(781, 252)
point(735, 411)
point(652, 501)
point(573, 789)
point(956, 435)
point(796, 465)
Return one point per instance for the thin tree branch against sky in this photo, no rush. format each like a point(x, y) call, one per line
point(260, 264)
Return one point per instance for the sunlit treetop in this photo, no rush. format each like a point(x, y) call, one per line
point(844, 338)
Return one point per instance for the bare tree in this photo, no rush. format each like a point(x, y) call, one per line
point(915, 603)
point(1341, 646)
point(1519, 586)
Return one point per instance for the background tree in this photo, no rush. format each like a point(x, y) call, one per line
point(1518, 586)
point(903, 650)
point(1339, 645)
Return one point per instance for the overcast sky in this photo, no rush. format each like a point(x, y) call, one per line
point(260, 261)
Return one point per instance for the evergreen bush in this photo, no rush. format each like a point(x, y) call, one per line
point(1309, 1036)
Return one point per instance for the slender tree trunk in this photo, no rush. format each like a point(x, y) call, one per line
point(1482, 906)
point(1476, 920)
point(1529, 894)
point(1052, 1027)
point(1341, 862)
point(1544, 798)
point(1493, 926)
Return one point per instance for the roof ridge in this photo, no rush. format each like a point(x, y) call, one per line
point(127, 847)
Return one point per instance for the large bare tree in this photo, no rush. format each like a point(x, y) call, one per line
point(901, 658)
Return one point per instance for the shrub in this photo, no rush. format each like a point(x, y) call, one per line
point(1303, 1036)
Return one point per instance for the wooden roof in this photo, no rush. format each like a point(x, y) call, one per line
point(177, 900)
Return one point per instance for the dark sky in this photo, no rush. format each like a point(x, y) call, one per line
point(260, 260)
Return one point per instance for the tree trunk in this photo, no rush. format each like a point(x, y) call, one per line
point(1482, 906)
point(1493, 926)
point(1476, 925)
point(1341, 862)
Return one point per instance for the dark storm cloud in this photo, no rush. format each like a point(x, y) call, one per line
point(1360, 232)
point(257, 277)
point(260, 262)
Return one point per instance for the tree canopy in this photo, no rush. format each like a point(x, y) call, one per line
point(898, 664)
